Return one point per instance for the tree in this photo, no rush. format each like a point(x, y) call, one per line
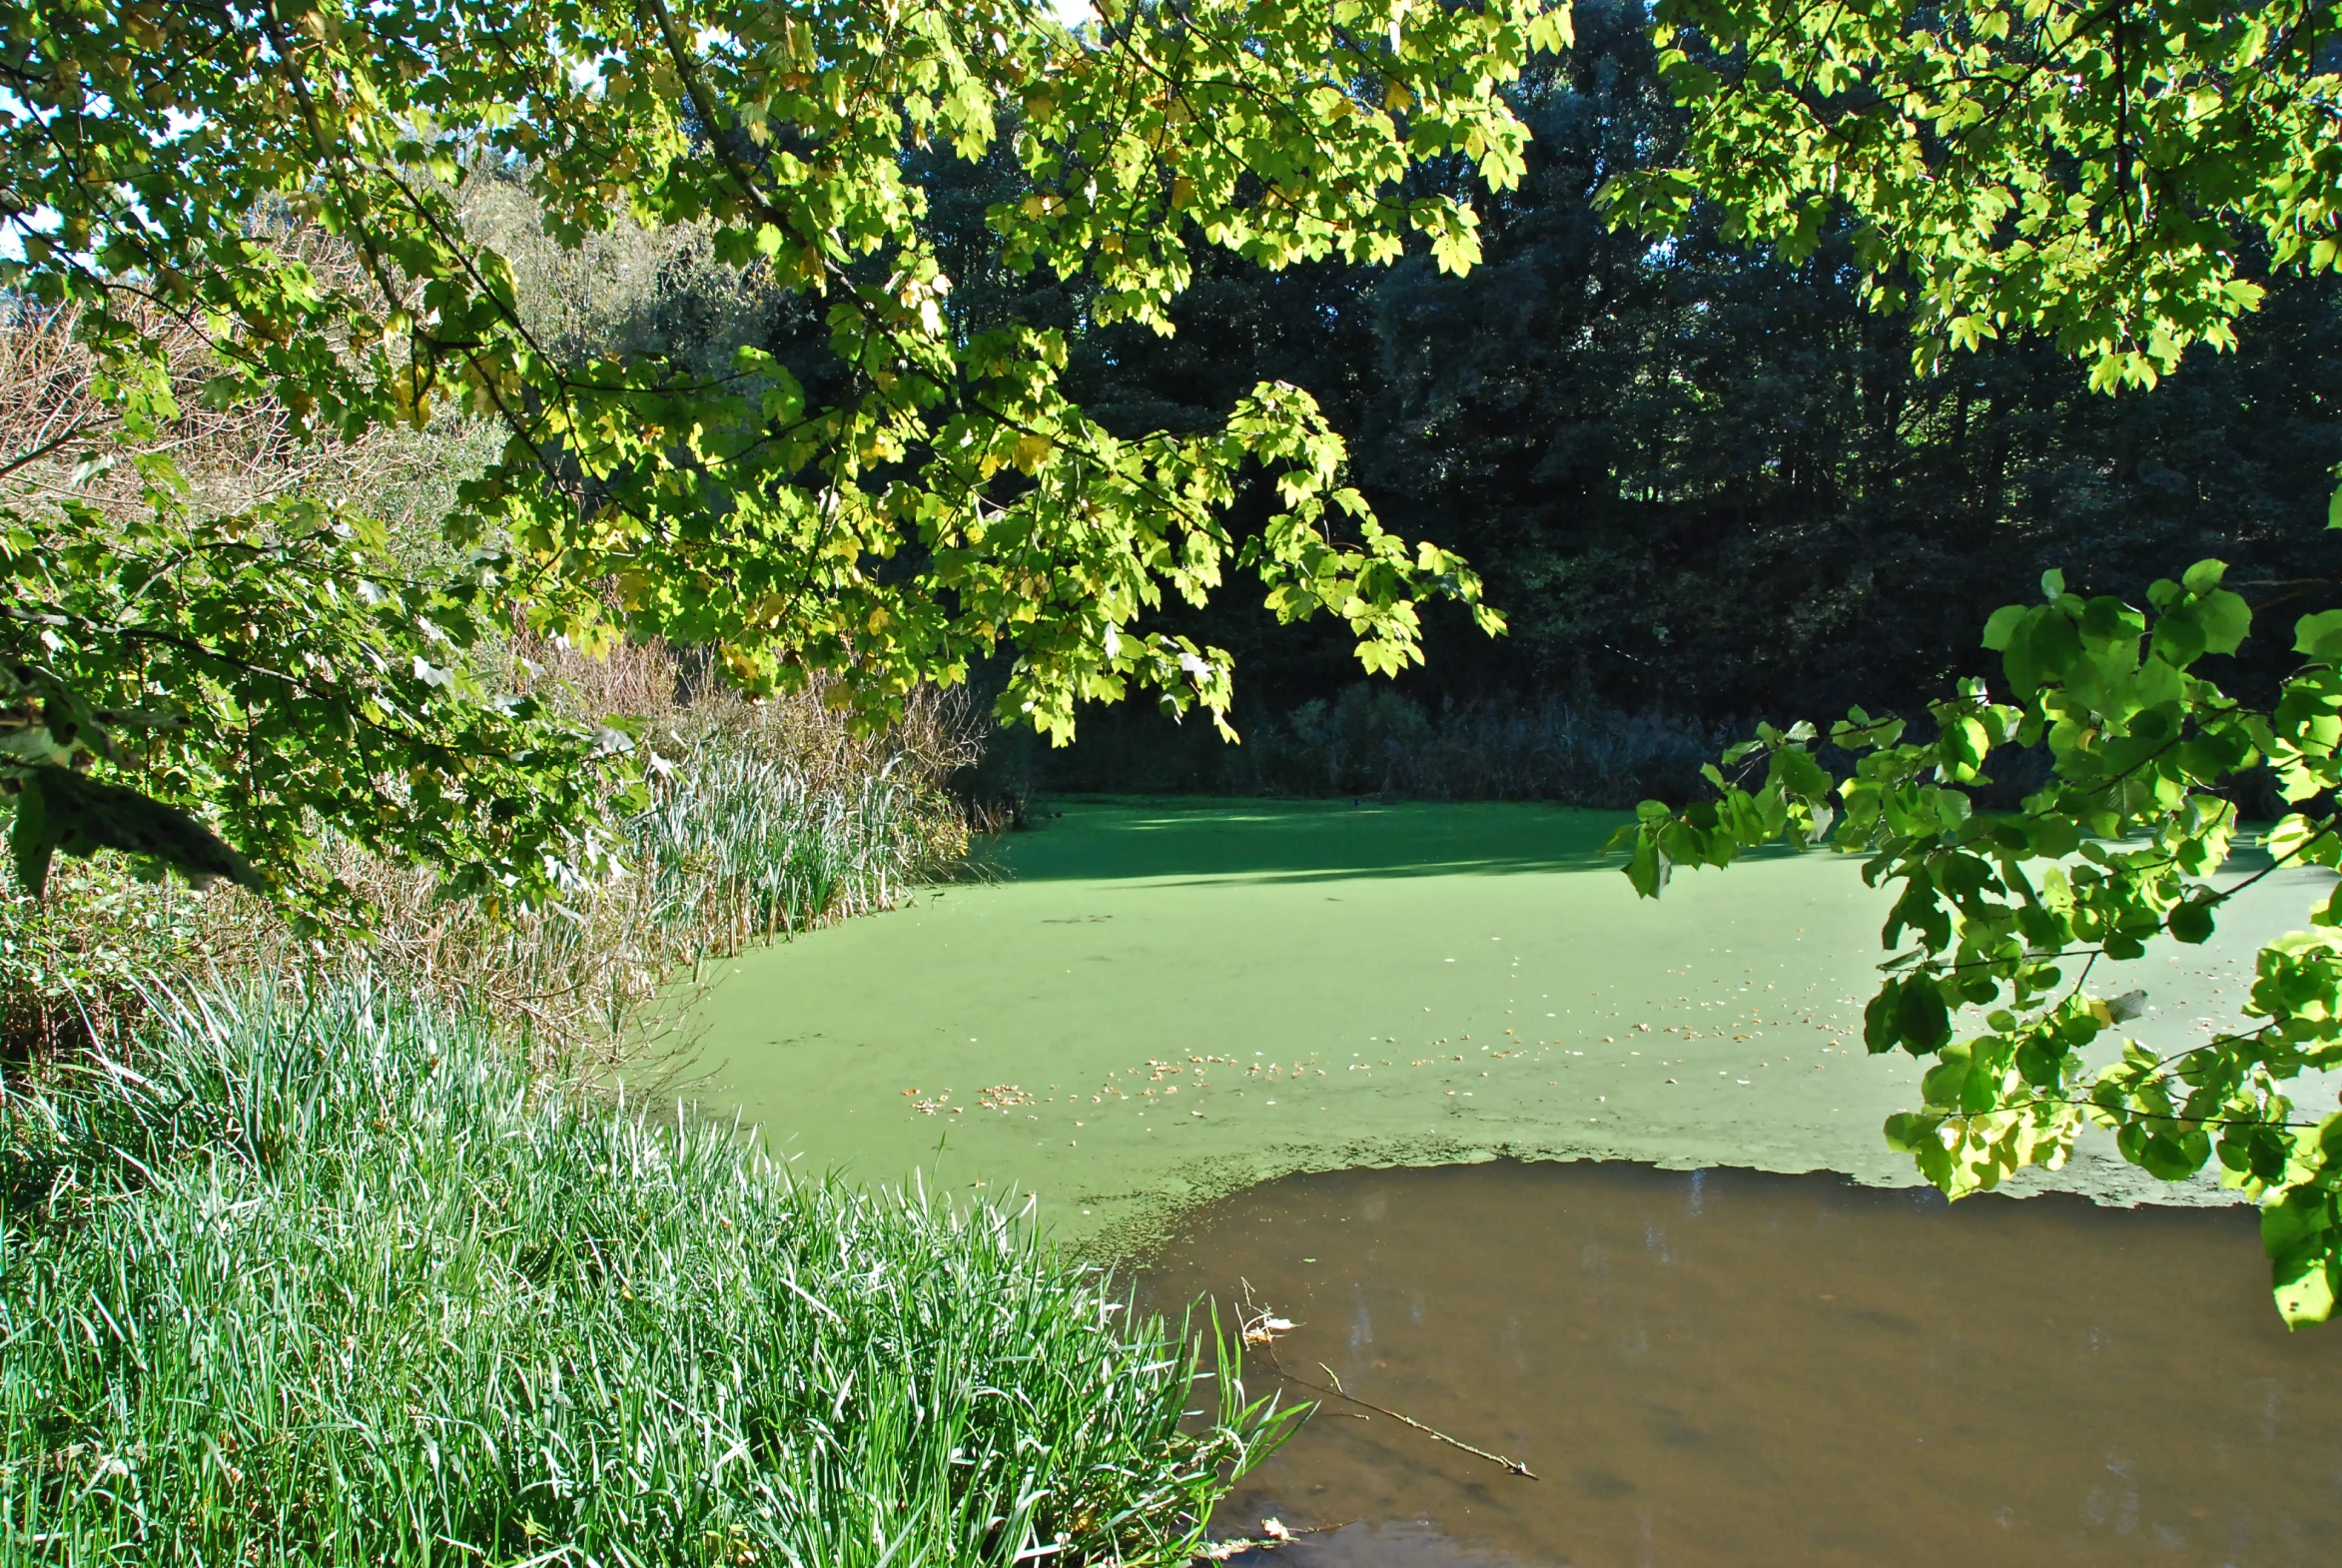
point(2096, 172)
point(1648, 451)
point(2099, 172)
point(286, 177)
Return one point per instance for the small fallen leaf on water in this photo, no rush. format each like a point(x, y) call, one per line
point(1265, 1328)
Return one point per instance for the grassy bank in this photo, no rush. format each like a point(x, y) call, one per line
point(333, 1279)
point(310, 1268)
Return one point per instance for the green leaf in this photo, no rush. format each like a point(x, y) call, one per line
point(1909, 1131)
point(2225, 619)
point(2203, 576)
point(2319, 636)
point(2048, 648)
point(2304, 1245)
point(1878, 1028)
point(2306, 1285)
point(2180, 637)
point(2190, 921)
point(1921, 1018)
point(2167, 1159)
point(1552, 31)
point(2053, 835)
point(1649, 869)
point(1942, 1083)
point(2107, 619)
point(2041, 1058)
point(1798, 773)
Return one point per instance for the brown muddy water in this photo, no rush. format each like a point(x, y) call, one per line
point(1721, 1366)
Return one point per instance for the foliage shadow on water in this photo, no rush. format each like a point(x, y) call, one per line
point(1188, 843)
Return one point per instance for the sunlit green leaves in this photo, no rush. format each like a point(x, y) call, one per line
point(2302, 1233)
point(293, 179)
point(2007, 912)
point(2097, 173)
point(279, 671)
point(2320, 635)
point(2092, 172)
point(296, 180)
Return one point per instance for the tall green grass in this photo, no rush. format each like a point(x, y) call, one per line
point(333, 1279)
point(742, 847)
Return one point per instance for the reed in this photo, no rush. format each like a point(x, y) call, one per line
point(335, 1279)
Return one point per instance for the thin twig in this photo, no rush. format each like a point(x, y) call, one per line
point(1259, 1332)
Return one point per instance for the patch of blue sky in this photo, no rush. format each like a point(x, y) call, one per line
point(177, 123)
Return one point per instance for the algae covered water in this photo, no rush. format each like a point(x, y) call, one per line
point(1727, 1367)
point(1155, 1003)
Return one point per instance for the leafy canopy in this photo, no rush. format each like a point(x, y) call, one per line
point(307, 681)
point(2101, 171)
point(942, 501)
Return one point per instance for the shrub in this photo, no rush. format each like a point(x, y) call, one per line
point(762, 819)
point(1372, 740)
point(331, 1278)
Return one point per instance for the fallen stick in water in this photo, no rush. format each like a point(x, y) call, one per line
point(1262, 1330)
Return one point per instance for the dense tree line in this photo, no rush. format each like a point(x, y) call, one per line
point(1699, 479)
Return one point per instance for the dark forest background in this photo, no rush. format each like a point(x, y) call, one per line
point(1704, 486)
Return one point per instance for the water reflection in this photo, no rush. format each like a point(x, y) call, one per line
point(1721, 1367)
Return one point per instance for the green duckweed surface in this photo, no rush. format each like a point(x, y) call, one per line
point(1157, 1003)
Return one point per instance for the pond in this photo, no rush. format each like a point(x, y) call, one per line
point(1152, 1004)
point(1724, 1367)
point(1494, 1135)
